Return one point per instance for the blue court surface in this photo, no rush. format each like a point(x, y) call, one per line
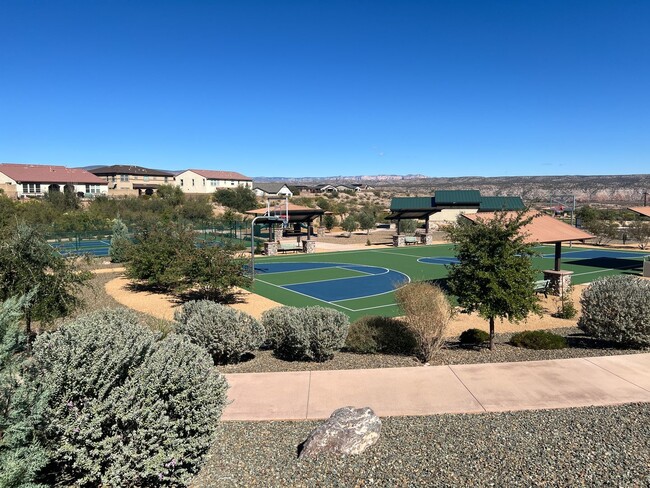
point(349, 282)
point(96, 247)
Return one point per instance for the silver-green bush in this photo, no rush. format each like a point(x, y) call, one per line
point(114, 405)
point(617, 308)
point(311, 333)
point(226, 333)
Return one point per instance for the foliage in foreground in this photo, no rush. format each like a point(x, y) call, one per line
point(227, 334)
point(494, 275)
point(114, 405)
point(617, 308)
point(310, 333)
point(427, 314)
point(372, 335)
point(538, 339)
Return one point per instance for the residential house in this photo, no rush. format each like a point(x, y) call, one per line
point(272, 189)
point(35, 180)
point(133, 180)
point(207, 181)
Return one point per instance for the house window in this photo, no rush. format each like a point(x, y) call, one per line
point(181, 182)
point(203, 181)
point(213, 182)
point(166, 179)
point(124, 177)
point(92, 189)
point(31, 187)
point(232, 183)
point(192, 181)
point(145, 178)
point(114, 178)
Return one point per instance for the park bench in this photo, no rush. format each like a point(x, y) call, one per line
point(289, 246)
point(410, 240)
point(543, 286)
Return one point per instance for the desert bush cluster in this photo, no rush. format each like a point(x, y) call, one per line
point(617, 308)
point(372, 335)
point(310, 333)
point(103, 401)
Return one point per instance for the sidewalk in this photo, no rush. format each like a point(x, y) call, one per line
point(491, 387)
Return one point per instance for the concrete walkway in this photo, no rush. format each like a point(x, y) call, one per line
point(492, 387)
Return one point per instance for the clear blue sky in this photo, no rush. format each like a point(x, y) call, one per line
point(308, 88)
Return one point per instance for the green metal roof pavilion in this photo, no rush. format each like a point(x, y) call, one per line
point(422, 207)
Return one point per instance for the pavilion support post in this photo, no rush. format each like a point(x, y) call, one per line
point(398, 221)
point(558, 256)
point(309, 231)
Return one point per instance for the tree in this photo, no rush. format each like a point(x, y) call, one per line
point(329, 221)
point(159, 255)
point(171, 194)
point(240, 198)
point(349, 224)
point(640, 232)
point(28, 262)
point(408, 226)
point(214, 272)
point(119, 241)
point(368, 216)
point(494, 275)
point(604, 230)
point(196, 209)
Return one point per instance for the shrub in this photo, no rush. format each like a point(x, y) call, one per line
point(119, 241)
point(310, 333)
point(113, 405)
point(371, 335)
point(427, 313)
point(538, 339)
point(617, 308)
point(565, 307)
point(474, 337)
point(225, 333)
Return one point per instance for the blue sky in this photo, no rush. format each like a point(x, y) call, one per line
point(319, 88)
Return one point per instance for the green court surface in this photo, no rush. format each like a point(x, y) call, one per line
point(362, 282)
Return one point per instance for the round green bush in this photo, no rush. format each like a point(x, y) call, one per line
point(227, 334)
point(474, 337)
point(310, 333)
point(617, 308)
point(372, 335)
point(115, 405)
point(538, 339)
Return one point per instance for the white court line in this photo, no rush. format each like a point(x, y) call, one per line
point(397, 254)
point(305, 295)
point(363, 275)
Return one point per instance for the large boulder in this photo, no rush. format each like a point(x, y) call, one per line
point(349, 430)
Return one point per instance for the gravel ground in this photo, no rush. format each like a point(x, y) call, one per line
point(579, 346)
point(594, 446)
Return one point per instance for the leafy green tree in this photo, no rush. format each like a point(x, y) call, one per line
point(349, 224)
point(171, 194)
point(324, 204)
point(159, 255)
point(28, 262)
point(214, 272)
point(494, 275)
point(63, 200)
point(196, 209)
point(408, 226)
point(119, 241)
point(240, 198)
point(8, 210)
point(329, 221)
point(367, 221)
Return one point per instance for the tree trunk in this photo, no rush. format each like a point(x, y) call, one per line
point(491, 333)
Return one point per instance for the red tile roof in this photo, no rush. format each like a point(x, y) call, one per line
point(39, 173)
point(543, 228)
point(219, 175)
point(645, 211)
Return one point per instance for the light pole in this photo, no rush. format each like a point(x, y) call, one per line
point(269, 219)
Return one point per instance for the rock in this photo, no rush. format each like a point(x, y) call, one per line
point(349, 430)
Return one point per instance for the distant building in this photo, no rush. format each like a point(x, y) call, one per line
point(34, 180)
point(207, 181)
point(272, 189)
point(133, 180)
point(346, 188)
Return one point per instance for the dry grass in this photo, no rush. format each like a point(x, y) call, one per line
point(427, 314)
